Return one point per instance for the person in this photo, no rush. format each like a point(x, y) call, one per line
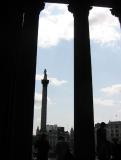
point(42, 146)
point(61, 148)
point(68, 155)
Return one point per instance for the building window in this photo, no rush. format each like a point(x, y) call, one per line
point(111, 130)
point(112, 135)
point(117, 135)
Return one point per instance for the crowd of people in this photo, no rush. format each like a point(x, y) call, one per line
point(105, 150)
point(42, 146)
point(62, 150)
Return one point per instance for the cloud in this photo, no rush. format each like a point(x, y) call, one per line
point(103, 102)
point(56, 82)
point(54, 27)
point(37, 121)
point(56, 24)
point(39, 77)
point(53, 81)
point(103, 26)
point(112, 90)
point(38, 100)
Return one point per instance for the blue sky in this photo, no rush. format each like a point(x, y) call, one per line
point(55, 53)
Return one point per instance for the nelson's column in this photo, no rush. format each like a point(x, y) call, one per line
point(45, 82)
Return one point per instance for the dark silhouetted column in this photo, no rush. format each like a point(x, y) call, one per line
point(14, 31)
point(83, 97)
point(45, 82)
point(24, 86)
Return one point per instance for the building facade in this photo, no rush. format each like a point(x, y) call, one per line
point(53, 132)
point(113, 131)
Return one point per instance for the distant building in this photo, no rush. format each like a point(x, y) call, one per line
point(53, 132)
point(113, 131)
point(97, 125)
point(52, 135)
point(51, 127)
point(72, 139)
point(60, 131)
point(37, 131)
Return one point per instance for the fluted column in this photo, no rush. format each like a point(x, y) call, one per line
point(25, 82)
point(83, 97)
point(116, 10)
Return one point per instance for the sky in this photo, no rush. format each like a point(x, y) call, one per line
point(55, 53)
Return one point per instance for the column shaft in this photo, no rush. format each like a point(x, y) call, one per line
point(14, 33)
point(44, 109)
point(23, 101)
point(83, 98)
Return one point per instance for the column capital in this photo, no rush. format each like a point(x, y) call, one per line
point(34, 7)
point(116, 11)
point(77, 8)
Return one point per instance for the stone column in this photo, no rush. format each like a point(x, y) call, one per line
point(116, 10)
point(83, 97)
point(25, 83)
point(45, 82)
point(14, 31)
